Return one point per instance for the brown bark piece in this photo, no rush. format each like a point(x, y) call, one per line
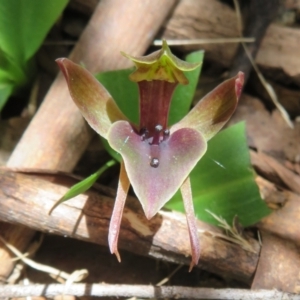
point(289, 98)
point(267, 132)
point(199, 19)
point(58, 135)
point(264, 169)
point(269, 166)
point(212, 19)
point(87, 217)
point(285, 221)
point(278, 266)
point(269, 192)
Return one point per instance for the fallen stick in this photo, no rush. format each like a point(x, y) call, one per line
point(139, 291)
point(26, 199)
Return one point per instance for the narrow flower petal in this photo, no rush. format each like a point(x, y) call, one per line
point(115, 221)
point(156, 172)
point(93, 100)
point(215, 109)
point(186, 192)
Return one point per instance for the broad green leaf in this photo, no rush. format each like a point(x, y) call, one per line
point(83, 185)
point(24, 25)
point(11, 71)
point(223, 181)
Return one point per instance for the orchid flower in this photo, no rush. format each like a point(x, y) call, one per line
point(156, 159)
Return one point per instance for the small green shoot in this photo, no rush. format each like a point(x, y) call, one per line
point(83, 185)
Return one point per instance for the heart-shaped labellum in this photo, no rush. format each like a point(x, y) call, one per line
point(156, 170)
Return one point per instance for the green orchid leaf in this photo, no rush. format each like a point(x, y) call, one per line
point(25, 24)
point(156, 172)
point(12, 71)
point(223, 181)
point(83, 185)
point(23, 27)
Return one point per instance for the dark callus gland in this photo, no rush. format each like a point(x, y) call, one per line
point(154, 162)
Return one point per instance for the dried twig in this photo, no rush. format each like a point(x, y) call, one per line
point(141, 291)
point(167, 278)
point(76, 276)
point(181, 42)
point(164, 280)
point(19, 268)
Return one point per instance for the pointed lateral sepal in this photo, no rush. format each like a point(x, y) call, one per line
point(176, 156)
point(161, 65)
point(116, 218)
point(93, 100)
point(186, 192)
point(215, 109)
